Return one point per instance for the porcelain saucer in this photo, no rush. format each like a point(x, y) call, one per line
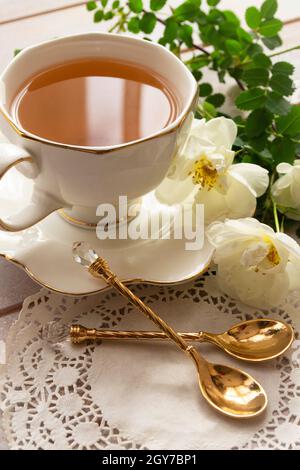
point(45, 250)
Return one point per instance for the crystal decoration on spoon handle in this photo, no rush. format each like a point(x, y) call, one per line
point(98, 267)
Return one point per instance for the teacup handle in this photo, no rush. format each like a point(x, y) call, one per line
point(42, 203)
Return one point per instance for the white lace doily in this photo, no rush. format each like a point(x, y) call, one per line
point(145, 395)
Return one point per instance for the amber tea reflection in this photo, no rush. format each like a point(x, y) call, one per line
point(95, 102)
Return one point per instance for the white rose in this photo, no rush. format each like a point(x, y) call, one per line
point(254, 264)
point(286, 190)
point(203, 169)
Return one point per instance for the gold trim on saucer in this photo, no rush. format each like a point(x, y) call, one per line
point(77, 222)
point(93, 225)
point(106, 288)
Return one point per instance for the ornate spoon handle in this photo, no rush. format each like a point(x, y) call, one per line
point(79, 333)
point(100, 268)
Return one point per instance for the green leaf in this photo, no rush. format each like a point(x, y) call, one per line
point(239, 141)
point(171, 29)
point(148, 22)
point(256, 76)
point(259, 143)
point(197, 75)
point(201, 18)
point(104, 3)
point(283, 67)
point(213, 3)
point(244, 35)
point(257, 122)
point(270, 28)
point(276, 104)
point(217, 99)
point(187, 11)
point(108, 16)
point(209, 110)
point(91, 6)
point(289, 124)
point(134, 25)
point(215, 16)
point(251, 99)
point(136, 5)
point(211, 35)
point(254, 49)
point(239, 121)
point(231, 17)
point(283, 150)
point(282, 84)
point(233, 46)
point(273, 42)
point(205, 89)
point(198, 62)
point(269, 8)
point(98, 16)
point(221, 76)
point(227, 29)
point(225, 63)
point(253, 17)
point(185, 33)
point(156, 5)
point(116, 4)
point(266, 160)
point(262, 60)
point(248, 159)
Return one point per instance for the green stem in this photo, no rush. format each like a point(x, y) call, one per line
point(114, 27)
point(240, 84)
point(249, 61)
point(204, 113)
point(275, 213)
point(285, 51)
point(194, 46)
point(282, 224)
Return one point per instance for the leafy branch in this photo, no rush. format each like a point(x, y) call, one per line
point(268, 125)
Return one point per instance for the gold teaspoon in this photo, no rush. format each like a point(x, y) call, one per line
point(252, 340)
point(227, 389)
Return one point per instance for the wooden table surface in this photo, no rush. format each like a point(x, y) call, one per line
point(25, 22)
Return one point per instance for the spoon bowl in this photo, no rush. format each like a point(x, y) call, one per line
point(255, 340)
point(229, 390)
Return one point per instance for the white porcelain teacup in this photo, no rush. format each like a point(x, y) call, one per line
point(78, 179)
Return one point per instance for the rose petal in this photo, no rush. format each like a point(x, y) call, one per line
point(255, 176)
point(241, 201)
point(255, 289)
point(221, 131)
point(284, 168)
point(293, 271)
point(215, 206)
point(289, 243)
point(174, 192)
point(295, 187)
